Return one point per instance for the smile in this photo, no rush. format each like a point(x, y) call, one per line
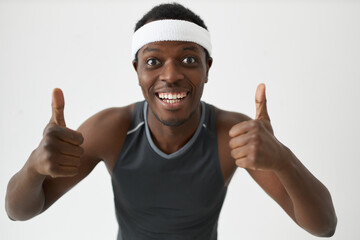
point(172, 97)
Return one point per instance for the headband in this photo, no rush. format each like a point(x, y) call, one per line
point(170, 30)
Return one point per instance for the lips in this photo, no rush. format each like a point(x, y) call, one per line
point(172, 97)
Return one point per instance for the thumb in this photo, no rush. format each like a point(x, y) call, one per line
point(260, 101)
point(57, 105)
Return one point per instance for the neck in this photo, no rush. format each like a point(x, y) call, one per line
point(170, 139)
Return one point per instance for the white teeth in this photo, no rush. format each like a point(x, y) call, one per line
point(172, 96)
point(171, 101)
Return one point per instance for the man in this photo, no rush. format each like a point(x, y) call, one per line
point(172, 156)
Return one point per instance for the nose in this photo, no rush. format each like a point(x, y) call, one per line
point(171, 72)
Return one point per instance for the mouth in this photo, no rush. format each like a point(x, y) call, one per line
point(172, 97)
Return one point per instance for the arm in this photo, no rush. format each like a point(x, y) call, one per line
point(55, 166)
point(277, 170)
point(303, 197)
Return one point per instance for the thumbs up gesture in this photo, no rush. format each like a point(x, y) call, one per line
point(59, 152)
point(58, 104)
point(253, 144)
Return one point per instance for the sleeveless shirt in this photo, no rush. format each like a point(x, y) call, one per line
point(174, 196)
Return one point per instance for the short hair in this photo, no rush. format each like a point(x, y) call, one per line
point(171, 11)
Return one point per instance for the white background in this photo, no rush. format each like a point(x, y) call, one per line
point(307, 53)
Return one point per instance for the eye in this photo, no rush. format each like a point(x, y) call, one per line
point(152, 61)
point(189, 60)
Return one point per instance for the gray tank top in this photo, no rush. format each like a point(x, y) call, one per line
point(174, 196)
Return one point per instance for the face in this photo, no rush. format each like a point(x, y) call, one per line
point(172, 76)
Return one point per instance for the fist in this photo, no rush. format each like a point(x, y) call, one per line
point(253, 144)
point(59, 152)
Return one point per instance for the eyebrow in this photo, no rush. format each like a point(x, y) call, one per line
point(189, 48)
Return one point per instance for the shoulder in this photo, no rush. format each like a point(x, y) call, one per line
point(108, 119)
point(111, 116)
point(105, 130)
point(226, 119)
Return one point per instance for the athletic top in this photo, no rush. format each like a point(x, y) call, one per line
point(174, 196)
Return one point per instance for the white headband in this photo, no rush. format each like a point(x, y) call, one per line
point(170, 30)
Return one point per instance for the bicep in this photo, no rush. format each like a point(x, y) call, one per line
point(271, 184)
point(54, 188)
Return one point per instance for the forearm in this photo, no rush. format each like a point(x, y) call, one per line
point(25, 197)
point(312, 204)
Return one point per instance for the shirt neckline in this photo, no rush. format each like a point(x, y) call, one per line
point(185, 147)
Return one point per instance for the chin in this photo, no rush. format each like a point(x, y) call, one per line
point(172, 122)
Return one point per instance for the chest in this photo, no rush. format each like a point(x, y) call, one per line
point(226, 165)
point(184, 183)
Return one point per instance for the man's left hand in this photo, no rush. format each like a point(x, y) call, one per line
point(253, 144)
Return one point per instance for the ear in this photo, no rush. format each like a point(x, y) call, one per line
point(135, 65)
point(208, 66)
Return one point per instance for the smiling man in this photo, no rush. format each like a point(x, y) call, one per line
point(171, 156)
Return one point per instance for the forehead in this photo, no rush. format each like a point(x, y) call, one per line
point(171, 46)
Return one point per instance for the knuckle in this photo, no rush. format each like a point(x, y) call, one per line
point(232, 143)
point(81, 139)
point(50, 156)
point(52, 131)
point(52, 168)
point(233, 131)
point(48, 144)
point(252, 123)
point(248, 165)
point(253, 148)
point(245, 165)
point(255, 137)
point(242, 163)
point(252, 158)
point(76, 137)
point(77, 151)
point(239, 163)
point(48, 127)
point(233, 153)
point(47, 137)
point(255, 125)
point(255, 155)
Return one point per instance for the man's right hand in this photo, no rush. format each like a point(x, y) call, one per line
point(59, 152)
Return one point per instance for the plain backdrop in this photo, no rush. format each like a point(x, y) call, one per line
point(307, 53)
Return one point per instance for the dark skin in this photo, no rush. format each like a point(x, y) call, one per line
point(64, 156)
